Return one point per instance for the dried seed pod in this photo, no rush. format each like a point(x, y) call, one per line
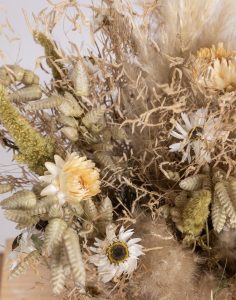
point(31, 222)
point(79, 79)
point(77, 209)
point(53, 235)
point(18, 216)
point(105, 159)
point(174, 176)
point(72, 246)
point(28, 93)
point(232, 191)
point(31, 259)
point(68, 215)
point(16, 71)
point(181, 199)
point(71, 133)
point(55, 211)
point(192, 183)
point(94, 119)
point(221, 190)
point(5, 187)
point(70, 107)
point(51, 102)
point(118, 133)
point(102, 147)
point(106, 210)
point(22, 199)
point(57, 271)
point(68, 121)
point(218, 215)
point(195, 212)
point(90, 209)
point(28, 77)
point(43, 206)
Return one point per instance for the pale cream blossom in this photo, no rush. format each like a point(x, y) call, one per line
point(71, 180)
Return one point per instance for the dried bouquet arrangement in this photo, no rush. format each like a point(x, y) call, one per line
point(128, 154)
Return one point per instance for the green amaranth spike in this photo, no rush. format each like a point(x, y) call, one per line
point(34, 149)
point(195, 212)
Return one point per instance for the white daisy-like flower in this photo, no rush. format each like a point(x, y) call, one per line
point(25, 245)
point(117, 254)
point(198, 135)
point(71, 180)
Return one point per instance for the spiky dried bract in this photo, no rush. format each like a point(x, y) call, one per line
point(5, 187)
point(94, 119)
point(105, 213)
point(53, 235)
point(31, 259)
point(77, 209)
point(80, 80)
point(18, 216)
point(55, 211)
point(221, 190)
point(57, 271)
point(51, 102)
point(68, 121)
point(218, 215)
point(71, 133)
point(71, 241)
point(70, 107)
point(23, 199)
point(192, 183)
point(195, 212)
point(43, 205)
point(34, 149)
point(90, 209)
point(29, 93)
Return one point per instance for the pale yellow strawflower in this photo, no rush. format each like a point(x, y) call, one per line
point(72, 180)
point(215, 68)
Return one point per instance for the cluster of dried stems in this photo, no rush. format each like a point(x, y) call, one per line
point(131, 89)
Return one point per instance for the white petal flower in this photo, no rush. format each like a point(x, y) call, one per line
point(25, 245)
point(117, 254)
point(198, 135)
point(71, 180)
point(215, 68)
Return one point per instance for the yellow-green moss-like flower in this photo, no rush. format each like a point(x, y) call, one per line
point(195, 212)
point(34, 149)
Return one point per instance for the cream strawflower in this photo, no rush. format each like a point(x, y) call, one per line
point(197, 134)
point(71, 180)
point(116, 255)
point(215, 68)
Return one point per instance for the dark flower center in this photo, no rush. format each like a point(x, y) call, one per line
point(117, 252)
point(195, 133)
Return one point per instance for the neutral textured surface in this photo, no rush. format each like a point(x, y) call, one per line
point(34, 285)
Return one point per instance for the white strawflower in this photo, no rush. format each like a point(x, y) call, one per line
point(215, 68)
point(117, 254)
point(198, 135)
point(25, 245)
point(71, 180)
